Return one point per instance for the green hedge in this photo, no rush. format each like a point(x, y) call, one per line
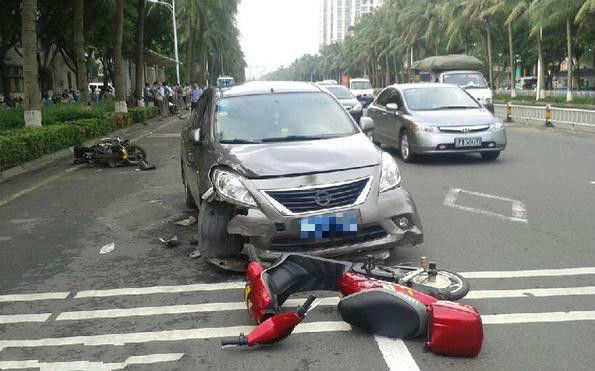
point(14, 118)
point(19, 145)
point(22, 145)
point(142, 114)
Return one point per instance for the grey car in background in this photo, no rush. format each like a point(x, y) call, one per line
point(347, 100)
point(266, 172)
point(433, 119)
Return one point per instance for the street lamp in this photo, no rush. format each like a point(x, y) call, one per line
point(172, 8)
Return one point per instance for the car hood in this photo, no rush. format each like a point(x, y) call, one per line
point(454, 117)
point(299, 158)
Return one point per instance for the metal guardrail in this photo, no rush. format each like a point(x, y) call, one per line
point(567, 116)
point(548, 93)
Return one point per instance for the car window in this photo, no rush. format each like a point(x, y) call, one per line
point(201, 114)
point(437, 98)
point(340, 92)
point(471, 80)
point(360, 85)
point(382, 99)
point(395, 97)
point(280, 117)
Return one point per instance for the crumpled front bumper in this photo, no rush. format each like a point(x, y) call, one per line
point(377, 214)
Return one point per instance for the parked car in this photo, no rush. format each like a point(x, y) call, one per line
point(363, 90)
point(347, 100)
point(282, 166)
point(435, 118)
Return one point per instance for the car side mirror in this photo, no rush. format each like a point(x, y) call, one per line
point(392, 107)
point(366, 124)
point(195, 136)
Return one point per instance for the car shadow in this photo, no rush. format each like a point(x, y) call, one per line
point(448, 159)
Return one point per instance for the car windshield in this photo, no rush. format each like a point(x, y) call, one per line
point(473, 80)
point(340, 92)
point(360, 85)
point(427, 99)
point(280, 117)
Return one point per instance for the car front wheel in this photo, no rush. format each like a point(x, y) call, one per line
point(405, 148)
point(214, 240)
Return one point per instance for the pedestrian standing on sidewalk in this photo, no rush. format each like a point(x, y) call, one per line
point(160, 97)
point(187, 95)
point(196, 93)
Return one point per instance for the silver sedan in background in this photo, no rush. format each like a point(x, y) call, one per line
point(430, 119)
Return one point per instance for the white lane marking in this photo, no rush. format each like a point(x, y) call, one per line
point(395, 354)
point(531, 273)
point(522, 293)
point(593, 182)
point(92, 366)
point(33, 297)
point(168, 335)
point(174, 309)
point(21, 318)
point(240, 285)
point(160, 289)
point(519, 211)
point(164, 135)
point(510, 318)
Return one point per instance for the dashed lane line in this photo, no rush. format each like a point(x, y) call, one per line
point(395, 354)
point(23, 318)
point(512, 318)
point(34, 296)
point(531, 273)
point(168, 335)
point(160, 289)
point(519, 211)
point(91, 366)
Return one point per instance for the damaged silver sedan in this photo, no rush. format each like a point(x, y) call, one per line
point(283, 167)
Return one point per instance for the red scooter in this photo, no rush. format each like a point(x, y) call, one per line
point(399, 301)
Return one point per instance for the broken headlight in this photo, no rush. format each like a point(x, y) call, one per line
point(230, 186)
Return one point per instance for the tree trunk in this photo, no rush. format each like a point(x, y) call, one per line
point(511, 52)
point(140, 57)
point(30, 71)
point(569, 63)
point(119, 84)
point(490, 62)
point(79, 50)
point(540, 68)
point(189, 49)
point(387, 65)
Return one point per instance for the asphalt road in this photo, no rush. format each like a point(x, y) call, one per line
point(529, 211)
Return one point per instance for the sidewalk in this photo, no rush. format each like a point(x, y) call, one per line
point(133, 132)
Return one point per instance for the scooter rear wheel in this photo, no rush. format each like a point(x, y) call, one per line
point(446, 285)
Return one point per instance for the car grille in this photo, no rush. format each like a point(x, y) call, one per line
point(306, 200)
point(463, 129)
point(364, 234)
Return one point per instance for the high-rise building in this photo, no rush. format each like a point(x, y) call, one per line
point(337, 16)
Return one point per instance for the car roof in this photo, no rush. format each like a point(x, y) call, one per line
point(268, 87)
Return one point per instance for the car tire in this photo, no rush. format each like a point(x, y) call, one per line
point(490, 156)
point(190, 202)
point(213, 239)
point(405, 147)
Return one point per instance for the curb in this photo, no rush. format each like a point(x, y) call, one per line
point(48, 159)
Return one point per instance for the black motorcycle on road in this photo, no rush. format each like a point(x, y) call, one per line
point(112, 152)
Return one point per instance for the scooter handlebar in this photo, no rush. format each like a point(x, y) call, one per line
point(234, 341)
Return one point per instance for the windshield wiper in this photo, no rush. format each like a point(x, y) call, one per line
point(291, 138)
point(238, 141)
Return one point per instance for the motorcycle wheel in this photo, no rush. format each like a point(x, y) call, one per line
point(446, 286)
point(136, 154)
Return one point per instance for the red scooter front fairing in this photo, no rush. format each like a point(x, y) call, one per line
point(274, 329)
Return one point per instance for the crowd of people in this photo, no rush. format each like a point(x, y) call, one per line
point(172, 98)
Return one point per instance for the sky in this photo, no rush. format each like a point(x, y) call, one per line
point(276, 32)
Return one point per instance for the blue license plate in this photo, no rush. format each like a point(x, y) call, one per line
point(338, 225)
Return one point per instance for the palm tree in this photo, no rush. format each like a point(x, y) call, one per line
point(119, 84)
point(30, 71)
point(140, 50)
point(548, 13)
point(79, 50)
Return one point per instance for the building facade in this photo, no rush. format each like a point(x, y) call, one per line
point(337, 16)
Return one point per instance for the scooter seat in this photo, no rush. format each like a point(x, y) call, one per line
point(385, 312)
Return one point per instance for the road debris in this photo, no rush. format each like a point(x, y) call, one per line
point(145, 165)
point(194, 254)
point(169, 242)
point(107, 248)
point(186, 222)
